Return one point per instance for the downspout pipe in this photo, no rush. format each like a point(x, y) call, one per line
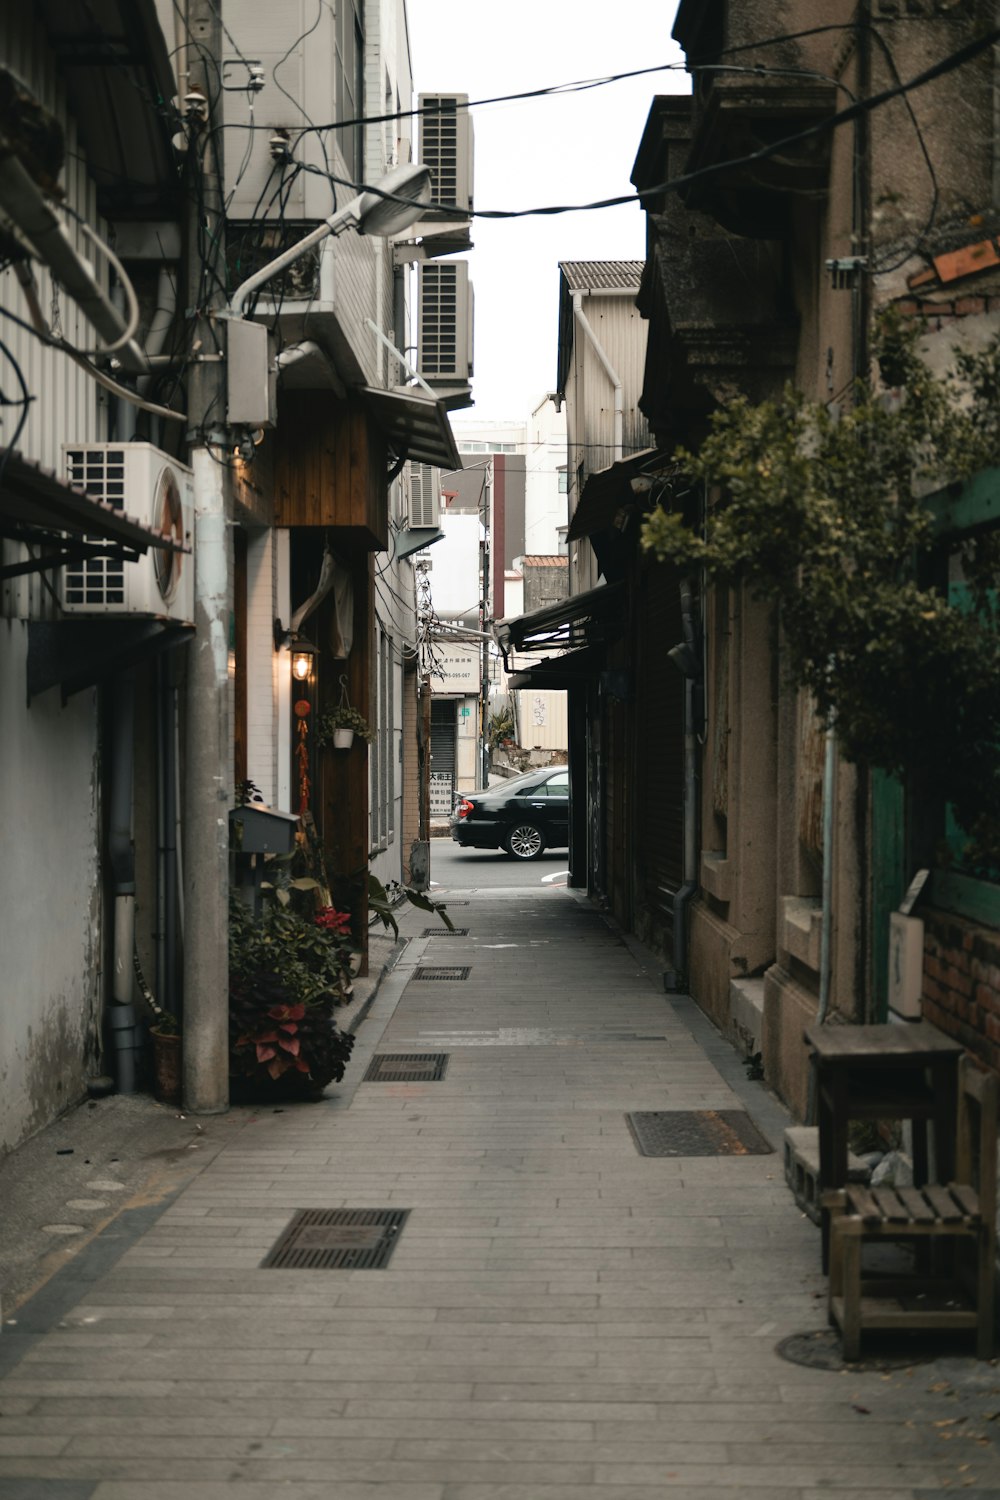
point(121, 852)
point(24, 204)
point(826, 927)
point(609, 370)
point(684, 897)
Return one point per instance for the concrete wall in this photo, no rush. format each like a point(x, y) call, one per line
point(50, 897)
point(546, 513)
point(590, 406)
point(51, 929)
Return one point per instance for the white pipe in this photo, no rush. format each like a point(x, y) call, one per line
point(609, 370)
point(345, 218)
point(22, 201)
point(25, 276)
point(309, 349)
point(413, 374)
point(387, 209)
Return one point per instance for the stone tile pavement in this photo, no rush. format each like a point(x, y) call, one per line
point(560, 1318)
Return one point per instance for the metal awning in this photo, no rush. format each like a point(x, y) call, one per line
point(608, 491)
point(586, 619)
point(561, 672)
point(116, 65)
point(75, 654)
point(415, 426)
point(40, 509)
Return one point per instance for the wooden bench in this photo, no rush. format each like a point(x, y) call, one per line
point(951, 1226)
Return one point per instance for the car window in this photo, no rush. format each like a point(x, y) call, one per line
point(558, 786)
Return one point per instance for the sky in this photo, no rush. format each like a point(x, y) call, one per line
point(570, 148)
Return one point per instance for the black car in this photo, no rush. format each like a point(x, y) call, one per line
point(525, 815)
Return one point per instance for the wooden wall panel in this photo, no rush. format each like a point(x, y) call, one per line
point(330, 467)
point(344, 809)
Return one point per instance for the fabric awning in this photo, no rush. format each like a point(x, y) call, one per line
point(415, 426)
point(585, 619)
point(39, 508)
point(607, 491)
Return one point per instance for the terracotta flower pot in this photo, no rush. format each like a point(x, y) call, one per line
point(166, 1066)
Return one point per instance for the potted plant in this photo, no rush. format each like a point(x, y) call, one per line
point(166, 1034)
point(340, 725)
point(287, 973)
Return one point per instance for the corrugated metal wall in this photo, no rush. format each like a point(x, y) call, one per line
point(66, 405)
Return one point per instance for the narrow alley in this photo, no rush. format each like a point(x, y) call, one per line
point(557, 1315)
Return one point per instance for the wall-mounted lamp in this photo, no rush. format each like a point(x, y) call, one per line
point(304, 655)
point(303, 651)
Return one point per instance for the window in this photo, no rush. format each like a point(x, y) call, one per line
point(350, 83)
point(563, 479)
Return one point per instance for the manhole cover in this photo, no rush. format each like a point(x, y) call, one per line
point(439, 973)
point(408, 1067)
point(331, 1239)
point(445, 932)
point(702, 1132)
point(822, 1351)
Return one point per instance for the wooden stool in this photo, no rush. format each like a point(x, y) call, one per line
point(959, 1216)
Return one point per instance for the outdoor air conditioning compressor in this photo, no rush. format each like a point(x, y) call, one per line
point(149, 486)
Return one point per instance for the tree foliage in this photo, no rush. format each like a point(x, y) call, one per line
point(823, 514)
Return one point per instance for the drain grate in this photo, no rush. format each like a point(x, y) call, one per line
point(439, 973)
point(334, 1239)
point(406, 1067)
point(445, 932)
point(701, 1132)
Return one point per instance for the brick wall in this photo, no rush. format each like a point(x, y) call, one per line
point(962, 982)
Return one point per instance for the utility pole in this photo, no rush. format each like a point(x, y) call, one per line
point(208, 757)
point(484, 614)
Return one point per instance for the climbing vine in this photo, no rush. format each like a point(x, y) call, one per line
point(823, 514)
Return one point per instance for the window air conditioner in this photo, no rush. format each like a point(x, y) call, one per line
point(444, 296)
point(149, 486)
point(425, 496)
point(446, 147)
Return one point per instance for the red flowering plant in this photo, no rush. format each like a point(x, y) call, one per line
point(283, 1040)
point(338, 923)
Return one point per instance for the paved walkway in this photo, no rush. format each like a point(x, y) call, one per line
point(561, 1317)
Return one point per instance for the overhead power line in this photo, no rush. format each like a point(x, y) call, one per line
point(851, 112)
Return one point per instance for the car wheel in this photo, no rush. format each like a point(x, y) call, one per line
point(524, 841)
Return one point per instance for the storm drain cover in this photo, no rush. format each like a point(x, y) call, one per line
point(338, 1239)
point(439, 973)
point(699, 1132)
point(406, 1067)
point(445, 932)
point(822, 1350)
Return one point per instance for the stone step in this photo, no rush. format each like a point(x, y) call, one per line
point(802, 1167)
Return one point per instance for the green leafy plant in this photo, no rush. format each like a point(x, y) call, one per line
point(382, 904)
point(823, 515)
point(286, 975)
point(500, 727)
point(343, 717)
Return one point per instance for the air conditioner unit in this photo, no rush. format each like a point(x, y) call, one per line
point(444, 296)
point(425, 496)
point(149, 486)
point(446, 147)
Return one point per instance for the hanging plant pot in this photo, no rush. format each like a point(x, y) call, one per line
point(343, 739)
